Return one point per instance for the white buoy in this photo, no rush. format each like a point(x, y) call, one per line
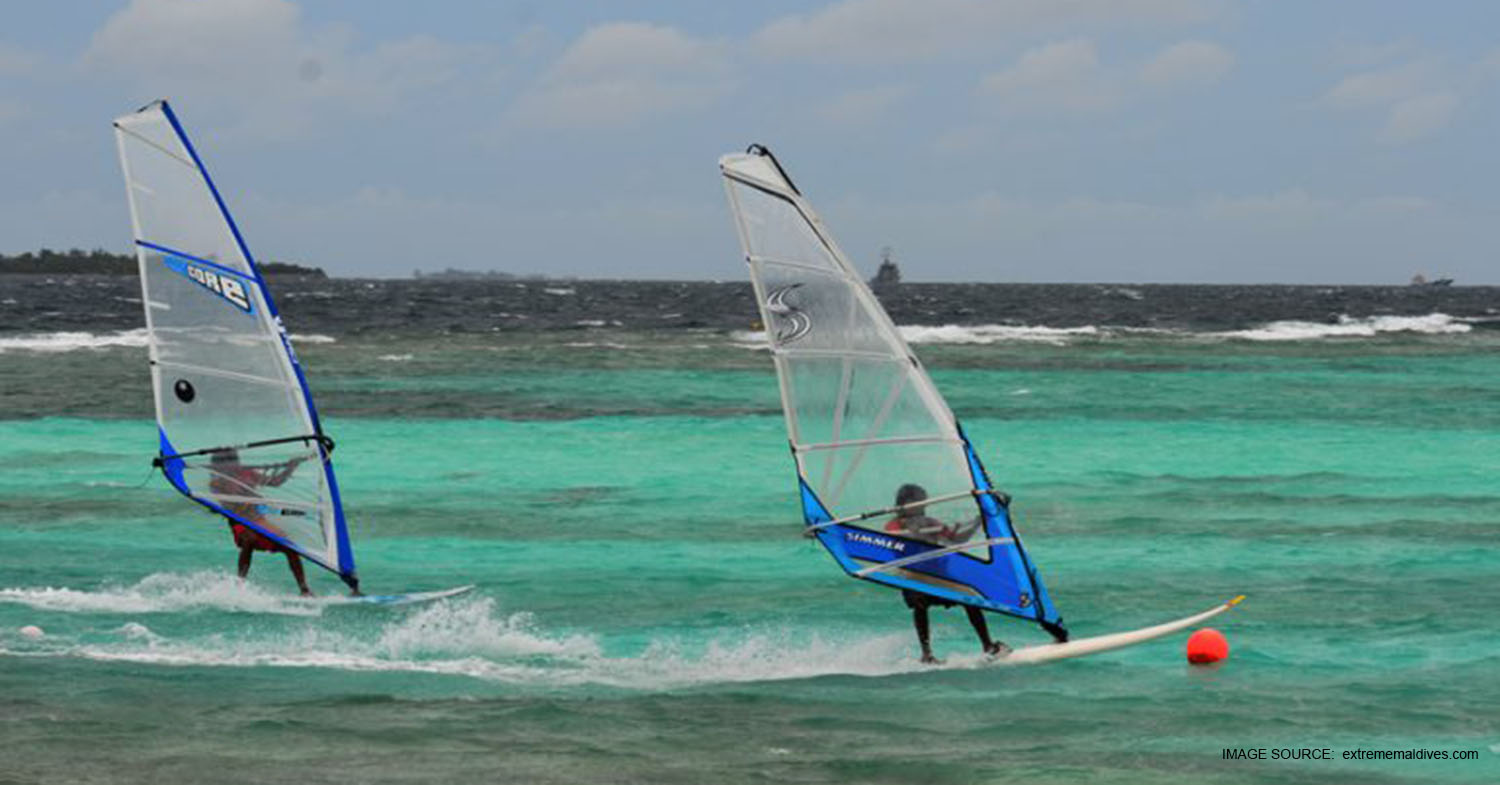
point(32, 631)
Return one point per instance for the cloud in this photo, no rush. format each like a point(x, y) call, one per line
point(1382, 86)
point(1063, 75)
point(388, 230)
point(1358, 54)
point(1290, 235)
point(15, 61)
point(1419, 116)
point(1068, 75)
point(258, 61)
point(1188, 64)
point(884, 31)
point(1417, 99)
point(864, 105)
point(620, 74)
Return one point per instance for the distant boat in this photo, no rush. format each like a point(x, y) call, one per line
point(1421, 280)
point(888, 274)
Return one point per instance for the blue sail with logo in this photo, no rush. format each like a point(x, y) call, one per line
point(238, 433)
point(888, 481)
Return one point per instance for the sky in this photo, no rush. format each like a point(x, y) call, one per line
point(983, 140)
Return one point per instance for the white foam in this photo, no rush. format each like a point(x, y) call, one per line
point(472, 627)
point(993, 333)
point(523, 658)
point(163, 593)
point(984, 334)
point(313, 338)
point(754, 340)
point(1351, 327)
point(72, 341)
point(560, 292)
point(472, 637)
point(397, 358)
point(972, 334)
point(598, 345)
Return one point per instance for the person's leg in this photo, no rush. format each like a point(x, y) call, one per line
point(981, 628)
point(295, 562)
point(246, 552)
point(924, 632)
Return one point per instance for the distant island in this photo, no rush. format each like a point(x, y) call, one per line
point(453, 274)
point(76, 261)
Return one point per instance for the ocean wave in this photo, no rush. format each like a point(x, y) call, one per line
point(599, 345)
point(1352, 327)
point(312, 338)
point(473, 638)
point(995, 333)
point(973, 334)
point(1291, 330)
point(73, 341)
point(663, 665)
point(164, 593)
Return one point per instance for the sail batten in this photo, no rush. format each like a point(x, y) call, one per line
point(871, 434)
point(238, 430)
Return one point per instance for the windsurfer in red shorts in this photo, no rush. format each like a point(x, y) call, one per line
point(912, 521)
point(239, 482)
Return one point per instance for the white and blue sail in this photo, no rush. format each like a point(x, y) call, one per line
point(223, 370)
point(865, 420)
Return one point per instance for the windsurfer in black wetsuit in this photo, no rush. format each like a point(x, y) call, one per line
point(912, 521)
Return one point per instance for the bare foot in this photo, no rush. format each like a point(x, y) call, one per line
point(997, 649)
point(928, 659)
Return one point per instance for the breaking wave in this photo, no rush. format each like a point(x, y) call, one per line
point(997, 333)
point(164, 593)
point(1291, 330)
point(72, 341)
point(471, 637)
point(1351, 327)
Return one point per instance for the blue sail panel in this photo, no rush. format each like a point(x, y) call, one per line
point(983, 576)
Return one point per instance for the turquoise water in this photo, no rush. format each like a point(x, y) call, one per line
point(646, 610)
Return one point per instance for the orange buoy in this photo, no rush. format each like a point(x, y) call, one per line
point(1207, 646)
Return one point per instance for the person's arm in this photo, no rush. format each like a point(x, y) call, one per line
point(963, 531)
point(284, 473)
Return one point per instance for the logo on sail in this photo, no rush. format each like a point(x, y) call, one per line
point(792, 323)
point(222, 285)
point(220, 282)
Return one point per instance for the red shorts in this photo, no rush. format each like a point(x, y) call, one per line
point(246, 537)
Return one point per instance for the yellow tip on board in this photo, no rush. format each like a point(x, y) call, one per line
point(1236, 601)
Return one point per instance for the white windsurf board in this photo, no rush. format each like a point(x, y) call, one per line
point(1081, 647)
point(409, 598)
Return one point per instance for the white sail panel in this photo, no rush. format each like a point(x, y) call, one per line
point(851, 386)
point(238, 431)
point(889, 483)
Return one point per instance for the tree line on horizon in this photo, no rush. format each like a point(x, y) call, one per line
point(76, 261)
